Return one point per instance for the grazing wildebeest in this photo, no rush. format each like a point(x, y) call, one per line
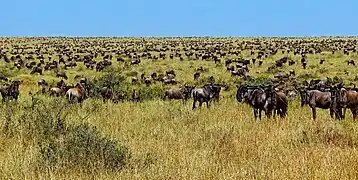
point(135, 61)
point(42, 82)
point(318, 99)
point(351, 62)
point(205, 94)
point(107, 94)
point(10, 91)
point(3, 77)
point(77, 92)
point(37, 69)
point(292, 72)
point(136, 96)
point(134, 79)
point(170, 72)
point(61, 75)
point(179, 93)
point(259, 98)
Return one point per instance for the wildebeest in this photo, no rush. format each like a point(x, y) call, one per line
point(136, 96)
point(183, 93)
point(77, 92)
point(61, 75)
point(196, 76)
point(318, 99)
point(205, 94)
point(107, 94)
point(351, 62)
point(346, 98)
point(37, 69)
point(11, 91)
point(259, 98)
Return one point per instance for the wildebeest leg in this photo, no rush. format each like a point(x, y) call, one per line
point(354, 113)
point(331, 112)
point(194, 104)
point(255, 113)
point(344, 112)
point(260, 112)
point(314, 113)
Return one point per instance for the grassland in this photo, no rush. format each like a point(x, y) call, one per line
point(170, 141)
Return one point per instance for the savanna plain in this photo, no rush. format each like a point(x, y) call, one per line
point(45, 137)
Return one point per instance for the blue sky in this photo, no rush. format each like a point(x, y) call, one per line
point(178, 18)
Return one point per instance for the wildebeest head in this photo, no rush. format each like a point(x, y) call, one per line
point(242, 93)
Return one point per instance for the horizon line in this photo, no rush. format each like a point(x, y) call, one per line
point(172, 37)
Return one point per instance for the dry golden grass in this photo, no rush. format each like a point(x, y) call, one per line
point(170, 141)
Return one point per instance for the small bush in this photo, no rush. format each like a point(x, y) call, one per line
point(84, 147)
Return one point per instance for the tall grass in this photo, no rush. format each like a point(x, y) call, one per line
point(42, 137)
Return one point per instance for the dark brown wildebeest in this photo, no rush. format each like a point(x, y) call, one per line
point(134, 80)
point(61, 75)
point(136, 96)
point(258, 98)
point(107, 94)
point(120, 59)
point(147, 81)
point(347, 99)
point(135, 61)
point(291, 62)
point(168, 80)
point(37, 70)
point(77, 92)
point(196, 76)
point(11, 91)
point(3, 77)
point(351, 62)
point(322, 61)
point(183, 93)
point(205, 94)
point(304, 65)
point(170, 72)
point(281, 104)
point(292, 72)
point(42, 82)
point(319, 99)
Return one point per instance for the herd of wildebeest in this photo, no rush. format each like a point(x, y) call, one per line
point(39, 55)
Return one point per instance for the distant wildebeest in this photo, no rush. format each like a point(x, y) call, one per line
point(205, 94)
point(77, 92)
point(11, 91)
point(351, 62)
point(135, 61)
point(170, 72)
point(322, 61)
point(61, 75)
point(196, 76)
point(3, 77)
point(42, 82)
point(183, 93)
point(136, 97)
point(107, 94)
point(292, 72)
point(37, 70)
point(134, 80)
